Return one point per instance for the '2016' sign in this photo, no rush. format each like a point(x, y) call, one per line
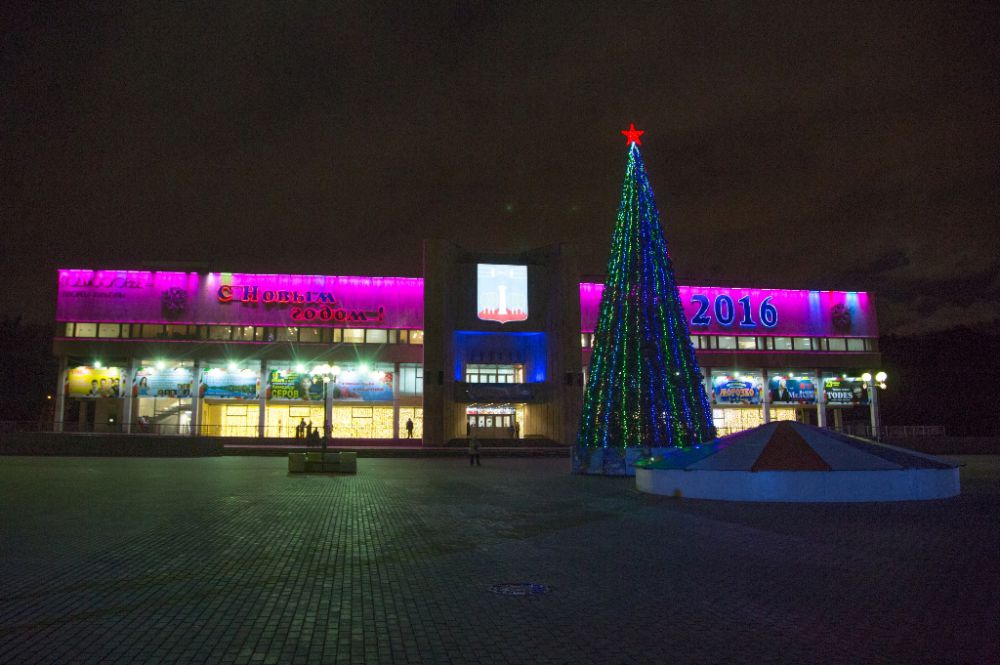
point(726, 311)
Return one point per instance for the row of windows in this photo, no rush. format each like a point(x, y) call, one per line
point(750, 343)
point(245, 333)
point(475, 373)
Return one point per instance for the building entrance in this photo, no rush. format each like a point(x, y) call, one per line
point(490, 421)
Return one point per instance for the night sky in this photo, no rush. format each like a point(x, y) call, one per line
point(801, 144)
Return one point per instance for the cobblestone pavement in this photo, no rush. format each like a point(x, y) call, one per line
point(231, 560)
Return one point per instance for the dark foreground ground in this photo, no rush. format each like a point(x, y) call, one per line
point(231, 560)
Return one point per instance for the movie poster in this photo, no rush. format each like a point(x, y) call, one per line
point(288, 385)
point(846, 390)
point(792, 389)
point(94, 382)
point(736, 389)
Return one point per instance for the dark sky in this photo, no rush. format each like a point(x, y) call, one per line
point(799, 144)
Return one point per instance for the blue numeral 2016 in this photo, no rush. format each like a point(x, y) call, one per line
point(725, 311)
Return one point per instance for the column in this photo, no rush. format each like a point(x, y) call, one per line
point(873, 402)
point(262, 401)
point(328, 407)
point(60, 405)
point(765, 396)
point(820, 401)
point(196, 399)
point(395, 401)
point(128, 406)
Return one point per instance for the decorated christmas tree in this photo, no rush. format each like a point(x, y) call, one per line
point(644, 388)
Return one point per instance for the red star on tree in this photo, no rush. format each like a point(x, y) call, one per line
point(632, 134)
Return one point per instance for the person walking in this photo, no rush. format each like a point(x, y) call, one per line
point(409, 428)
point(474, 451)
point(300, 430)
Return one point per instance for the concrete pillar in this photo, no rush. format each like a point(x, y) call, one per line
point(820, 401)
point(262, 401)
point(873, 405)
point(196, 399)
point(765, 396)
point(838, 420)
point(395, 401)
point(60, 405)
point(128, 406)
point(328, 407)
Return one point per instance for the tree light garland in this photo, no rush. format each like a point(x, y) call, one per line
point(644, 388)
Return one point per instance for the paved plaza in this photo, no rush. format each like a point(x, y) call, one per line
point(231, 560)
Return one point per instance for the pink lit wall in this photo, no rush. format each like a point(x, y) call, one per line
point(240, 299)
point(748, 311)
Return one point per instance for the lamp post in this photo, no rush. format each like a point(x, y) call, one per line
point(328, 374)
point(873, 388)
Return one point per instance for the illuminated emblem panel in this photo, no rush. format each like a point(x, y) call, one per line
point(502, 293)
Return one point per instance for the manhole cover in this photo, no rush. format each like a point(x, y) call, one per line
point(519, 589)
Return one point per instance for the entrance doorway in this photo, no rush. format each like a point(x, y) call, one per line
point(494, 421)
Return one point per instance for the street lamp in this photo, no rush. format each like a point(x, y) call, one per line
point(873, 388)
point(329, 375)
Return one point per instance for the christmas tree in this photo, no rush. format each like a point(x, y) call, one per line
point(644, 389)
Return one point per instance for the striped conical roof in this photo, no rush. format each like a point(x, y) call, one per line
point(790, 446)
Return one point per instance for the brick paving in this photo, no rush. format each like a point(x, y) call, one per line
point(231, 560)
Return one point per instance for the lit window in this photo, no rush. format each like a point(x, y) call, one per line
point(109, 330)
point(263, 334)
point(782, 343)
point(727, 342)
point(837, 344)
point(416, 337)
point(375, 336)
point(175, 332)
point(288, 334)
point(855, 344)
point(310, 335)
point(695, 341)
point(86, 330)
point(69, 330)
point(354, 335)
point(583, 340)
point(393, 336)
point(747, 343)
point(220, 332)
point(244, 333)
point(150, 331)
point(802, 343)
point(336, 335)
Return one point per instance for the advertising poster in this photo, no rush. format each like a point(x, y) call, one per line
point(225, 384)
point(376, 387)
point(151, 382)
point(792, 390)
point(502, 293)
point(94, 382)
point(848, 390)
point(288, 385)
point(736, 389)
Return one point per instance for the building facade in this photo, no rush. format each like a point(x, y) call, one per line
point(492, 343)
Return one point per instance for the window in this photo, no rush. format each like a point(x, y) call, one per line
point(354, 335)
point(584, 341)
point(243, 333)
point(109, 330)
point(855, 344)
point(411, 379)
point(393, 336)
point(151, 332)
point(802, 343)
point(336, 336)
point(373, 336)
point(475, 373)
point(288, 334)
point(262, 334)
point(220, 332)
point(310, 335)
point(695, 341)
point(837, 344)
point(416, 337)
point(176, 332)
point(69, 330)
point(782, 343)
point(86, 330)
point(746, 343)
point(727, 342)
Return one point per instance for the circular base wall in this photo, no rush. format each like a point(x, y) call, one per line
point(801, 486)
